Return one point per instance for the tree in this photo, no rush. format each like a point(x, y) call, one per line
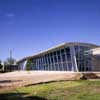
point(0, 61)
point(10, 61)
point(29, 65)
point(9, 64)
point(1, 66)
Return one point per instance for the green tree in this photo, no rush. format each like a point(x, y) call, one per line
point(29, 65)
point(1, 66)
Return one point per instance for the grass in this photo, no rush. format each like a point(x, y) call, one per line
point(64, 90)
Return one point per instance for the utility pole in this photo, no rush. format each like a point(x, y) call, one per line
point(10, 55)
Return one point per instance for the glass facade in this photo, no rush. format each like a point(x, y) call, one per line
point(64, 59)
point(84, 61)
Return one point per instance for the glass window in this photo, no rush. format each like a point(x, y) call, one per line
point(59, 59)
point(50, 54)
point(55, 59)
point(56, 66)
point(60, 66)
point(67, 50)
point(58, 52)
point(45, 59)
point(65, 66)
point(39, 60)
point(70, 66)
point(68, 57)
point(76, 49)
point(48, 60)
point(54, 53)
point(52, 59)
point(63, 58)
point(62, 51)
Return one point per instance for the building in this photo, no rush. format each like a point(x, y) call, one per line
point(73, 56)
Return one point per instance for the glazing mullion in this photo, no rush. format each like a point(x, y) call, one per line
point(61, 60)
point(66, 58)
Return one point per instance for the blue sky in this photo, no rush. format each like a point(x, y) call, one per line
point(29, 26)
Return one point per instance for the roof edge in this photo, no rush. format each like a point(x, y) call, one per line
point(57, 46)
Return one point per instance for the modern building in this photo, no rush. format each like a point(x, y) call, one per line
point(73, 56)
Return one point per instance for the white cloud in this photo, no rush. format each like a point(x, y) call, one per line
point(10, 15)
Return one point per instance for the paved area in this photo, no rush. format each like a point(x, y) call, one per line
point(24, 78)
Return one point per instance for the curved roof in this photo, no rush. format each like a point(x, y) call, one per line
point(92, 46)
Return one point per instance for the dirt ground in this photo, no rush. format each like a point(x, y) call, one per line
point(25, 78)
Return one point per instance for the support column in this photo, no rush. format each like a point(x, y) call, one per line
point(38, 64)
point(47, 63)
point(42, 63)
point(73, 59)
point(61, 60)
point(53, 61)
point(57, 61)
point(50, 62)
point(66, 59)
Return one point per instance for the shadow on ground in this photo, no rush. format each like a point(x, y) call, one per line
point(9, 81)
point(90, 76)
point(19, 96)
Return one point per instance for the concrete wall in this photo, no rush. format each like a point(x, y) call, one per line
point(96, 63)
point(96, 51)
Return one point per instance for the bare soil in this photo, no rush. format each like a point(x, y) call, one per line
point(25, 78)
